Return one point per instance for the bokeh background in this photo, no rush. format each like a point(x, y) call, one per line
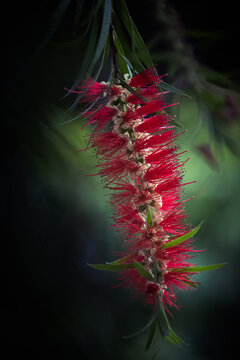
point(55, 219)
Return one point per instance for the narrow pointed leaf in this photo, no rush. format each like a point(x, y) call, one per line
point(138, 51)
point(190, 283)
point(151, 334)
point(173, 89)
point(192, 269)
point(182, 238)
point(162, 324)
point(143, 52)
point(105, 28)
point(141, 330)
point(120, 54)
point(149, 218)
point(177, 341)
point(142, 271)
point(166, 328)
point(112, 267)
point(132, 91)
point(118, 261)
point(88, 61)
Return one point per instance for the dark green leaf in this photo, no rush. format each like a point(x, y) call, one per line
point(138, 45)
point(51, 24)
point(142, 271)
point(88, 61)
point(173, 89)
point(118, 261)
point(162, 323)
point(182, 238)
point(174, 338)
point(132, 91)
point(141, 330)
point(151, 334)
point(132, 42)
point(143, 52)
point(190, 283)
point(168, 332)
point(193, 269)
point(112, 267)
point(120, 54)
point(104, 29)
point(176, 123)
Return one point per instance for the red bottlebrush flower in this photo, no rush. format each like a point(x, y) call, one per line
point(102, 116)
point(153, 124)
point(91, 90)
point(145, 78)
point(143, 170)
point(150, 93)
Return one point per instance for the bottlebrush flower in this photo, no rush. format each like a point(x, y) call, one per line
point(139, 160)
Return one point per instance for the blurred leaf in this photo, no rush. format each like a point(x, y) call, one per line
point(173, 338)
point(191, 269)
point(93, 13)
point(89, 58)
point(142, 271)
point(208, 155)
point(173, 89)
point(132, 91)
point(166, 328)
point(52, 24)
point(119, 261)
point(121, 56)
point(104, 29)
point(182, 238)
point(190, 283)
point(141, 330)
point(151, 334)
point(215, 76)
point(112, 267)
point(133, 44)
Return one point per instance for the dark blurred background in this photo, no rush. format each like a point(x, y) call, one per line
point(55, 219)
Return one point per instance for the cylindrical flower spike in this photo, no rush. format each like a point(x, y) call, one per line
point(139, 162)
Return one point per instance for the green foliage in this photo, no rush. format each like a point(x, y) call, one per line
point(151, 334)
point(196, 269)
point(149, 218)
point(182, 238)
point(112, 267)
point(142, 271)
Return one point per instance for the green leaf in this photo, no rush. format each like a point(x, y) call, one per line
point(166, 328)
point(120, 54)
point(149, 218)
point(190, 283)
point(131, 90)
point(141, 330)
point(174, 339)
point(93, 13)
point(182, 238)
point(135, 49)
point(173, 89)
point(143, 52)
point(151, 334)
point(118, 261)
point(89, 54)
point(192, 269)
point(104, 29)
point(112, 267)
point(142, 271)
point(49, 26)
point(163, 322)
